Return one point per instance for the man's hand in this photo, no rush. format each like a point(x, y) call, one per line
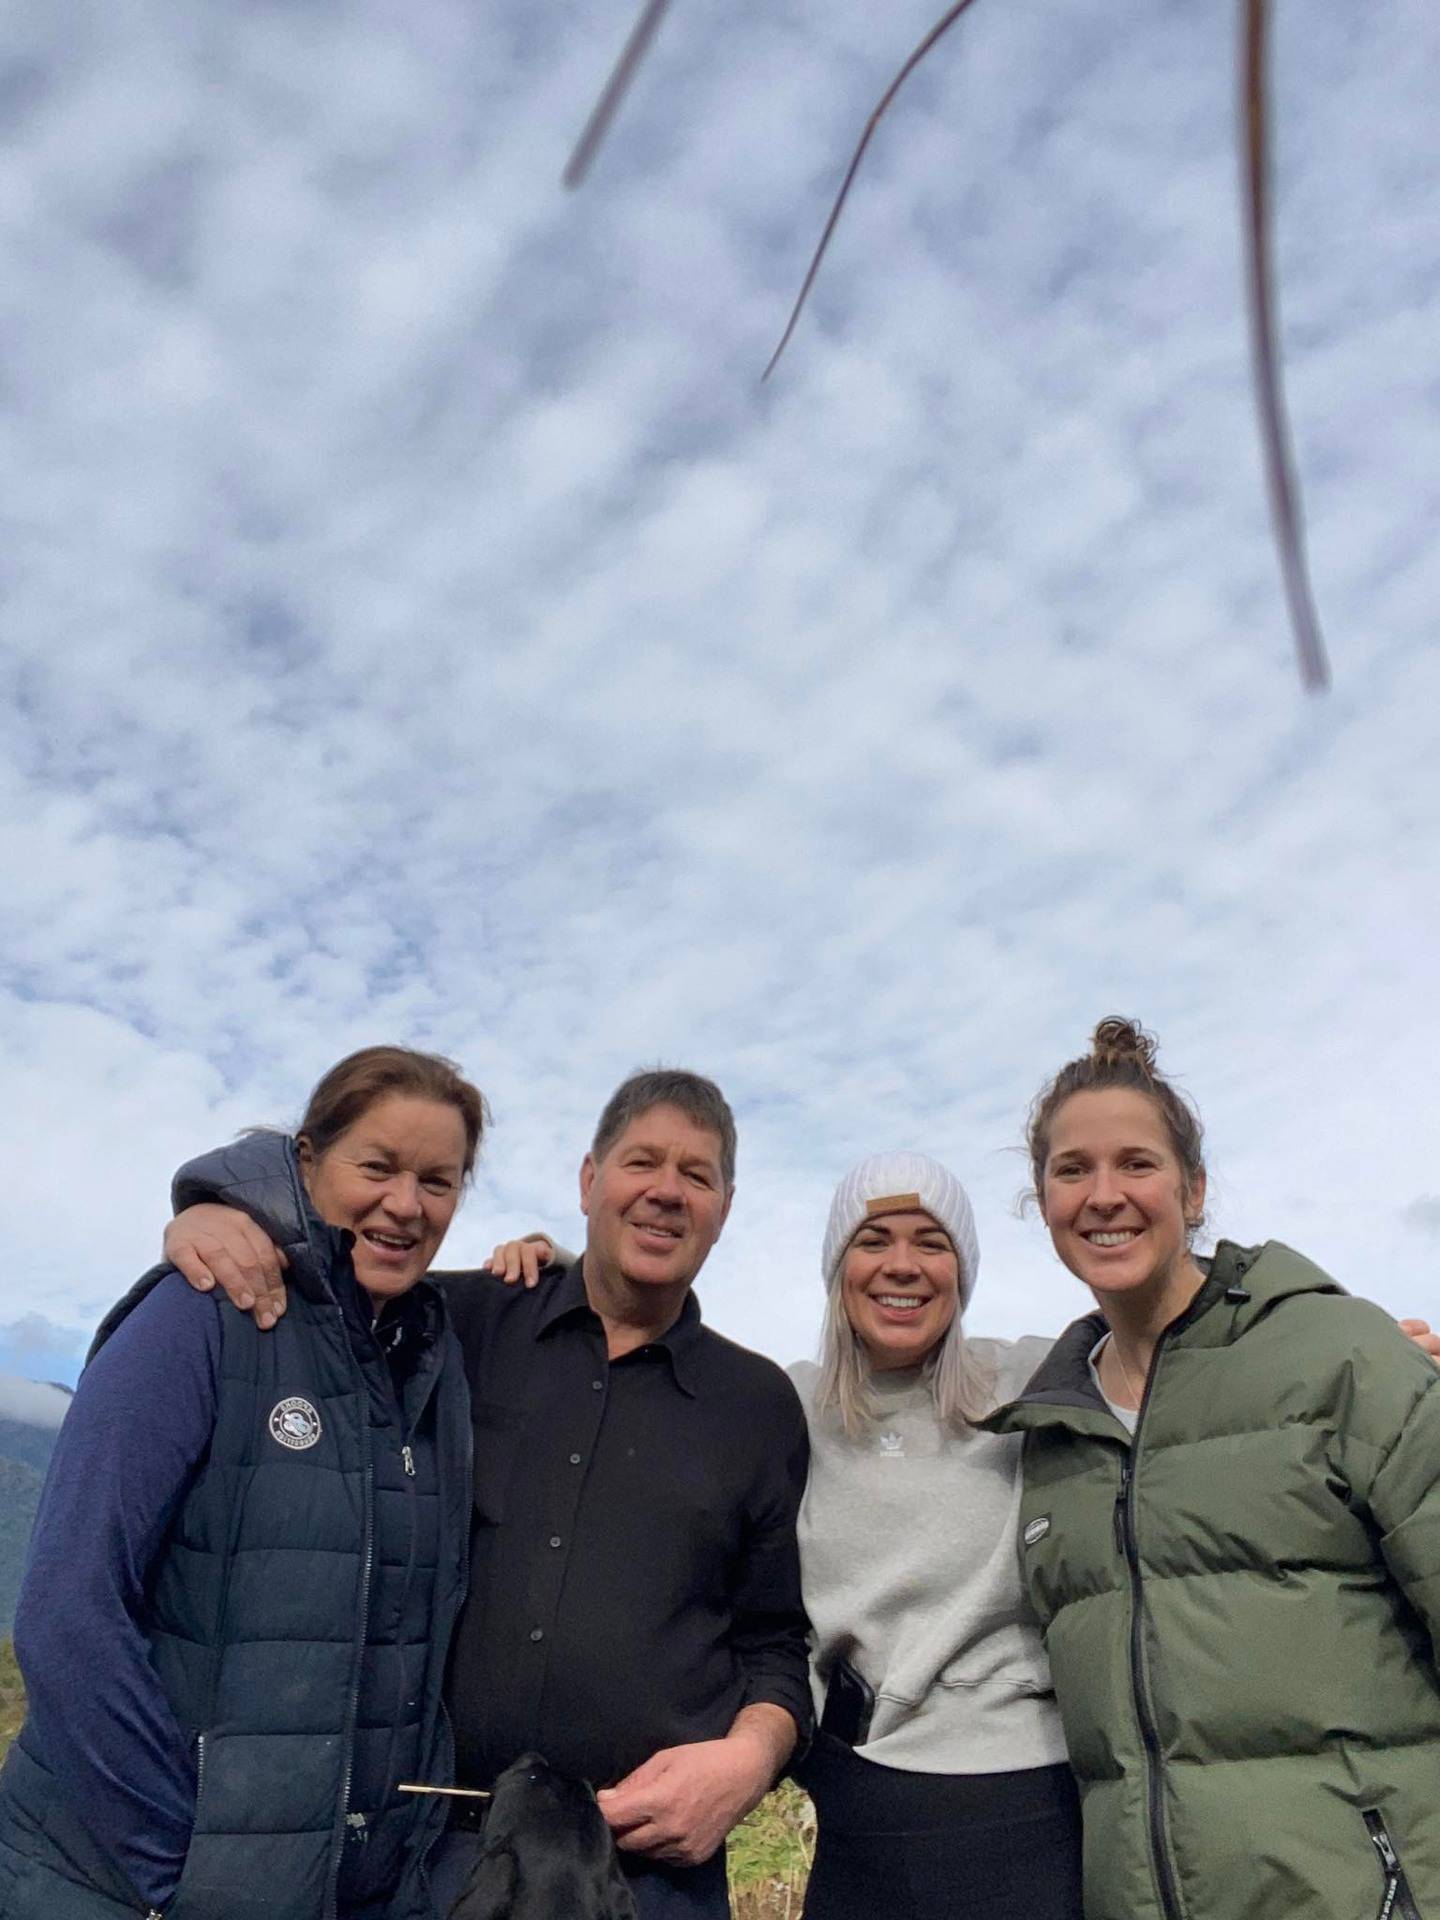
point(1419, 1332)
point(220, 1246)
point(516, 1260)
point(679, 1806)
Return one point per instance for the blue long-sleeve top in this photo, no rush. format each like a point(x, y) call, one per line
point(137, 1430)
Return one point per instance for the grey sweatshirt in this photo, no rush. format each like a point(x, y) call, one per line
point(910, 1565)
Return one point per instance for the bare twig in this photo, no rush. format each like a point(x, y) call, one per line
point(1265, 348)
point(613, 93)
point(453, 1793)
point(941, 27)
point(1275, 445)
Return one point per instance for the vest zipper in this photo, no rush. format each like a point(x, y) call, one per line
point(352, 1711)
point(1139, 1686)
point(1396, 1897)
point(154, 1913)
point(407, 1459)
point(462, 1583)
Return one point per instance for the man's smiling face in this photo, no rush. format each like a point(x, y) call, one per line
point(655, 1201)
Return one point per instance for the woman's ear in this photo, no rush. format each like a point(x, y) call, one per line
point(304, 1153)
point(1194, 1198)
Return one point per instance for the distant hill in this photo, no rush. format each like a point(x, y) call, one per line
point(12, 1697)
point(30, 1415)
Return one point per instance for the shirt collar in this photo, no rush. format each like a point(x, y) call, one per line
point(681, 1343)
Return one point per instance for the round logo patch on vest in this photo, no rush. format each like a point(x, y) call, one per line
point(1037, 1530)
point(295, 1424)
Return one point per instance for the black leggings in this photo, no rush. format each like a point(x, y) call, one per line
point(892, 1845)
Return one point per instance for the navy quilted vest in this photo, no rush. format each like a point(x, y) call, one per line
point(303, 1603)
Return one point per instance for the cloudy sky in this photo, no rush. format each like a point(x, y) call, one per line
point(419, 624)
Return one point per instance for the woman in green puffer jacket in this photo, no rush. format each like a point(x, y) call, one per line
point(1231, 1533)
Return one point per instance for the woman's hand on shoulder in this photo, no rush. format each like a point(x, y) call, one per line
point(215, 1246)
point(521, 1260)
point(1419, 1332)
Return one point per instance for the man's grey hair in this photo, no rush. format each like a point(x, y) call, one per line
point(699, 1099)
point(961, 1388)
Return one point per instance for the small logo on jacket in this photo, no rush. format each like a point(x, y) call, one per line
point(1037, 1530)
point(892, 1446)
point(295, 1424)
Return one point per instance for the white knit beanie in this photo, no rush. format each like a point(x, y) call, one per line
point(902, 1183)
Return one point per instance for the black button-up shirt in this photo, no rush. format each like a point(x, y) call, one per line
point(634, 1580)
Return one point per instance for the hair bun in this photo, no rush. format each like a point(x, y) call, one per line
point(1117, 1040)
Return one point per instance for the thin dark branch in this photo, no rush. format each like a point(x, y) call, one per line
point(941, 27)
point(1265, 349)
point(613, 93)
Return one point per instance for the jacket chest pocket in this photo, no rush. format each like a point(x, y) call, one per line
point(498, 1432)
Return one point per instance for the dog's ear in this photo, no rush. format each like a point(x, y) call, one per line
point(491, 1890)
point(616, 1901)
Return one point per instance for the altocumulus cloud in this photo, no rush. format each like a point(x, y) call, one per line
point(419, 624)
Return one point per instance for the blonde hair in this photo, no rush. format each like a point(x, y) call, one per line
point(960, 1386)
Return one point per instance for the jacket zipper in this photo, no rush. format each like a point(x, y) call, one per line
point(155, 1913)
point(1144, 1707)
point(1397, 1898)
point(447, 1732)
point(352, 1711)
point(407, 1460)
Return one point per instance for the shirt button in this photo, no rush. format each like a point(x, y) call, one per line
point(574, 1459)
point(598, 1385)
point(554, 1539)
point(537, 1633)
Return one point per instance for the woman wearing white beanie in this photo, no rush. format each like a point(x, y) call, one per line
point(939, 1775)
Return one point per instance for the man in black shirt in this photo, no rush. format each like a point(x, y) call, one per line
point(634, 1610)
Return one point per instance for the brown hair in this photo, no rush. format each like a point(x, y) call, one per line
point(699, 1099)
point(354, 1084)
point(1122, 1054)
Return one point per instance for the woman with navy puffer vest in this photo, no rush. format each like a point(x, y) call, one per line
point(251, 1549)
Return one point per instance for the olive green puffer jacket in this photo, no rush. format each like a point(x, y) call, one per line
point(1239, 1604)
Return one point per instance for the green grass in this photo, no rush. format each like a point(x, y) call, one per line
point(769, 1854)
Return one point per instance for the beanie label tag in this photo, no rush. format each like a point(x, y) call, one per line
point(893, 1203)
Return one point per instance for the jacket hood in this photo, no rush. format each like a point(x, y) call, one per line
point(1242, 1286)
point(259, 1174)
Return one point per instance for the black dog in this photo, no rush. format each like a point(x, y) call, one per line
point(548, 1854)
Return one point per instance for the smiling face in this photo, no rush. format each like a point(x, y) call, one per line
point(1115, 1197)
point(655, 1202)
point(900, 1285)
point(394, 1179)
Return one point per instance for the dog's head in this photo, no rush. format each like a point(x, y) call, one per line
point(547, 1854)
point(531, 1793)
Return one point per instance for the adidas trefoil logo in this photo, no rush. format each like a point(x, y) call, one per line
point(892, 1446)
